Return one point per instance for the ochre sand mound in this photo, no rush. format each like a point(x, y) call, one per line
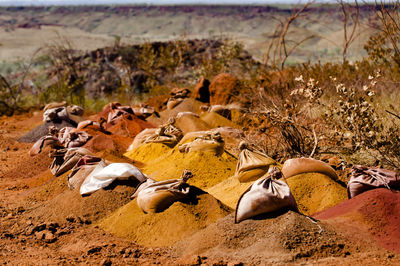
point(61, 202)
point(215, 120)
point(46, 186)
point(179, 221)
point(27, 166)
point(208, 169)
point(315, 192)
point(266, 240)
point(148, 152)
point(187, 105)
point(377, 210)
point(229, 191)
point(191, 123)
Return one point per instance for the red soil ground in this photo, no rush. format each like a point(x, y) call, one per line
point(28, 241)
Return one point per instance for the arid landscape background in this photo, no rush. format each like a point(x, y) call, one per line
point(23, 30)
point(283, 81)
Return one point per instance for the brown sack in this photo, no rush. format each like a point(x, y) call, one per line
point(81, 170)
point(173, 102)
point(78, 175)
point(298, 166)
point(43, 142)
point(155, 196)
point(65, 159)
point(365, 178)
point(167, 134)
point(71, 137)
point(72, 114)
point(212, 142)
point(252, 164)
point(265, 196)
point(141, 138)
point(54, 105)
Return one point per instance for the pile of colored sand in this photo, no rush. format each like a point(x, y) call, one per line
point(208, 169)
point(315, 192)
point(179, 221)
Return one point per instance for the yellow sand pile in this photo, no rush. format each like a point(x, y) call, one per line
point(215, 120)
point(229, 191)
point(165, 228)
point(208, 169)
point(148, 152)
point(191, 123)
point(315, 192)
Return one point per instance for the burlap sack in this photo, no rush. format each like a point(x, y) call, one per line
point(207, 143)
point(167, 134)
point(265, 196)
point(141, 138)
point(72, 114)
point(173, 102)
point(155, 196)
point(115, 110)
point(365, 178)
point(85, 123)
point(143, 111)
point(298, 166)
point(81, 170)
point(252, 164)
point(54, 105)
point(65, 159)
point(71, 137)
point(43, 142)
point(51, 115)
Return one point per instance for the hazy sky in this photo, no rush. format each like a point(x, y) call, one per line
point(93, 2)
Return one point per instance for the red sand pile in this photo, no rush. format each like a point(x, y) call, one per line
point(378, 210)
point(263, 241)
point(27, 166)
point(46, 186)
point(105, 140)
point(127, 125)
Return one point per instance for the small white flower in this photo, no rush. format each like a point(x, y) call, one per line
point(370, 93)
point(370, 77)
point(365, 87)
point(300, 78)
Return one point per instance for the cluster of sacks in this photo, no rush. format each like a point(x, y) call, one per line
point(88, 172)
point(268, 182)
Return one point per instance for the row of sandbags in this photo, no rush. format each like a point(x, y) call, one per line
point(170, 135)
point(89, 173)
point(267, 194)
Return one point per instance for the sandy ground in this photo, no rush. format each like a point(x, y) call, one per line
point(26, 241)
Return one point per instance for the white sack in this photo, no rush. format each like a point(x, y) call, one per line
point(102, 176)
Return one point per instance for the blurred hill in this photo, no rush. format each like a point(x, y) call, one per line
point(25, 29)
